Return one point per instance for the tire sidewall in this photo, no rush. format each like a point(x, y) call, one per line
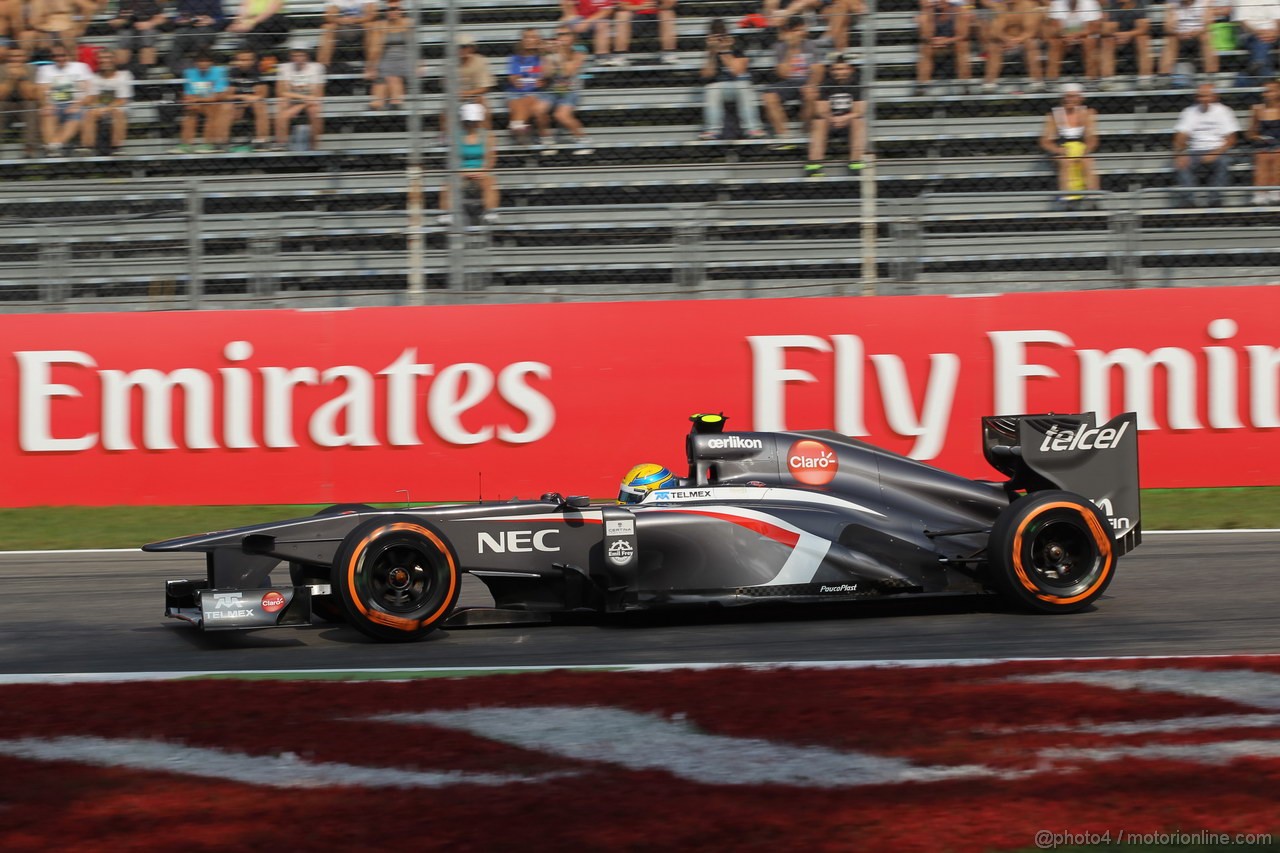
point(1010, 544)
point(353, 565)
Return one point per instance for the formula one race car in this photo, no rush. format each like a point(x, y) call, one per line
point(761, 517)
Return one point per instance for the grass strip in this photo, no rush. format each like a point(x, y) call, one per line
point(45, 528)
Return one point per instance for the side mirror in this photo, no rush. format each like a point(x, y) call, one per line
point(575, 501)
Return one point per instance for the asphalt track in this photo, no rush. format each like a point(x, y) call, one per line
point(1179, 594)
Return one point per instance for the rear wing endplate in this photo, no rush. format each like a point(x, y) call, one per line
point(1074, 453)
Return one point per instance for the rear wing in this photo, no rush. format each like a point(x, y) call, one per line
point(1072, 452)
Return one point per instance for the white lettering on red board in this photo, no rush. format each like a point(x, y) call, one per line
point(1169, 373)
point(263, 398)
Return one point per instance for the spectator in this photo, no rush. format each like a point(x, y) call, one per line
point(1126, 28)
point(474, 76)
point(1258, 22)
point(10, 25)
point(346, 23)
point(726, 73)
point(1070, 137)
point(20, 99)
point(204, 92)
point(1187, 22)
point(944, 25)
point(524, 81)
point(1013, 33)
point(136, 25)
point(196, 24)
point(299, 89)
point(839, 109)
point(1073, 24)
point(53, 22)
point(113, 90)
point(474, 80)
point(477, 156)
point(562, 83)
point(654, 16)
point(798, 67)
point(1202, 139)
point(66, 88)
point(389, 64)
point(247, 93)
point(263, 25)
point(984, 14)
point(592, 16)
point(837, 13)
point(1264, 133)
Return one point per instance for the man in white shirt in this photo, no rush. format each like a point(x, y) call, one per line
point(1201, 139)
point(113, 90)
point(299, 88)
point(66, 88)
point(1259, 22)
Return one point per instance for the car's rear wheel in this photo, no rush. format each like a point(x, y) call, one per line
point(396, 577)
point(1051, 552)
point(327, 608)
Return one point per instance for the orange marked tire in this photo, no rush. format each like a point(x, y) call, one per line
point(1051, 552)
point(396, 578)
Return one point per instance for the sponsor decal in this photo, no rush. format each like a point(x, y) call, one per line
point(272, 601)
point(225, 600)
point(620, 527)
point(229, 614)
point(812, 462)
point(682, 494)
point(735, 442)
point(844, 587)
point(1056, 440)
point(1119, 522)
point(517, 541)
point(620, 552)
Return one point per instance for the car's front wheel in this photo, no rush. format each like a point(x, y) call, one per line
point(396, 577)
point(326, 608)
point(1051, 552)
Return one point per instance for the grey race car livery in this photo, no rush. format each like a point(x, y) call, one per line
point(761, 517)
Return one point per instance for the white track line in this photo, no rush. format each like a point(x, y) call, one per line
point(643, 742)
point(446, 671)
point(71, 551)
point(278, 771)
point(65, 552)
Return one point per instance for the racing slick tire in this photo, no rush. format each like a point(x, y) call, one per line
point(1051, 552)
point(396, 577)
point(326, 608)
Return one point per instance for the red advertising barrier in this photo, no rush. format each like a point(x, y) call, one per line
point(436, 403)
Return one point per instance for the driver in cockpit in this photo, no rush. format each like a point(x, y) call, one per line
point(645, 478)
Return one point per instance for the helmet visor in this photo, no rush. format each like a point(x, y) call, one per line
point(629, 495)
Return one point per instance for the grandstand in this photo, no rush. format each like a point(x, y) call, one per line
point(962, 199)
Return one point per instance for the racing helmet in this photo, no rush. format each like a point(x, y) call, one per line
point(645, 478)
